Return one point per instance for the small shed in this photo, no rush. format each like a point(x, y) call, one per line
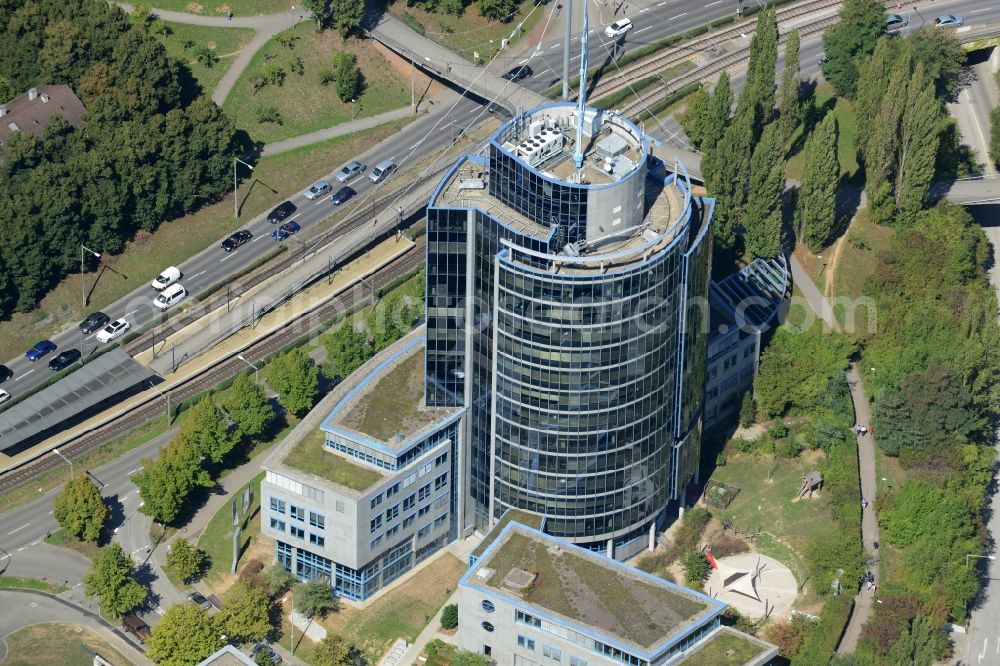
point(811, 482)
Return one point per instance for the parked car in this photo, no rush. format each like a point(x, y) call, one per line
point(93, 322)
point(382, 170)
point(280, 212)
point(136, 626)
point(895, 23)
point(618, 28)
point(40, 349)
point(349, 171)
point(267, 651)
point(166, 278)
point(5, 373)
point(519, 73)
point(115, 329)
point(64, 360)
point(237, 239)
point(285, 230)
point(949, 21)
point(4, 396)
point(342, 195)
point(169, 297)
point(317, 189)
point(199, 599)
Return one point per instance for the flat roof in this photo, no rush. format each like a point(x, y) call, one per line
point(310, 455)
point(604, 597)
point(523, 517)
point(728, 647)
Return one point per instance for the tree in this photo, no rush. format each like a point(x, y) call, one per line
point(80, 509)
point(942, 55)
point(245, 612)
point(832, 550)
point(206, 426)
point(873, 77)
point(449, 616)
point(498, 10)
point(696, 567)
point(333, 650)
point(318, 8)
point(707, 115)
point(315, 597)
point(788, 635)
point(762, 235)
point(845, 43)
point(346, 15)
point(347, 349)
point(294, 377)
point(347, 75)
point(920, 130)
point(995, 135)
point(165, 484)
point(187, 561)
point(791, 104)
point(726, 168)
point(818, 197)
point(184, 636)
point(112, 578)
point(748, 412)
point(392, 319)
point(7, 91)
point(248, 406)
point(757, 97)
point(277, 579)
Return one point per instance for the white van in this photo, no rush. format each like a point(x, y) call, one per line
point(166, 278)
point(168, 297)
point(382, 171)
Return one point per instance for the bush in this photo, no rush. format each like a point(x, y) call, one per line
point(789, 448)
point(696, 567)
point(269, 114)
point(697, 518)
point(449, 616)
point(347, 76)
point(252, 568)
point(315, 598)
point(411, 20)
point(725, 545)
point(277, 579)
point(748, 412)
point(822, 637)
point(744, 445)
point(720, 460)
point(205, 56)
point(326, 77)
point(778, 431)
point(788, 635)
point(297, 66)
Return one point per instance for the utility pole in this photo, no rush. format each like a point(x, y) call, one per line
point(413, 93)
point(567, 40)
point(236, 203)
point(83, 280)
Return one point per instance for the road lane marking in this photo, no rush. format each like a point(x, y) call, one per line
point(23, 547)
point(26, 374)
point(555, 46)
point(976, 11)
point(90, 336)
point(644, 9)
point(266, 235)
point(137, 469)
point(130, 313)
point(641, 29)
point(195, 275)
point(983, 652)
point(678, 16)
point(18, 529)
point(232, 254)
point(661, 4)
point(717, 2)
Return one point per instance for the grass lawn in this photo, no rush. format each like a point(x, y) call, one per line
point(304, 104)
point(402, 612)
point(847, 128)
point(220, 7)
point(29, 583)
point(786, 526)
point(309, 455)
point(217, 539)
point(858, 257)
point(58, 643)
point(225, 43)
point(178, 240)
point(470, 32)
point(723, 650)
point(85, 548)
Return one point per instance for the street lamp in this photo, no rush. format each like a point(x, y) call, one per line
point(256, 377)
point(165, 396)
point(982, 557)
point(56, 451)
point(83, 281)
point(236, 203)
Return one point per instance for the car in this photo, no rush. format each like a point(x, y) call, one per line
point(93, 322)
point(949, 21)
point(4, 396)
point(5, 373)
point(382, 170)
point(169, 297)
point(519, 73)
point(618, 28)
point(498, 110)
point(895, 23)
point(281, 211)
point(199, 599)
point(166, 278)
point(64, 360)
point(342, 195)
point(317, 189)
point(136, 626)
point(40, 349)
point(349, 171)
point(267, 651)
point(237, 239)
point(285, 230)
point(115, 329)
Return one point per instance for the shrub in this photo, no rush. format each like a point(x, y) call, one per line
point(748, 412)
point(697, 517)
point(696, 567)
point(411, 20)
point(725, 545)
point(778, 431)
point(788, 635)
point(789, 448)
point(205, 56)
point(297, 66)
point(326, 77)
point(347, 76)
point(449, 616)
point(743, 445)
point(252, 568)
point(275, 75)
point(277, 579)
point(720, 460)
point(269, 114)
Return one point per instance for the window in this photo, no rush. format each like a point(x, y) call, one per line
point(526, 643)
point(425, 468)
point(424, 493)
point(441, 481)
point(391, 532)
point(277, 505)
point(424, 531)
point(424, 510)
point(277, 525)
point(340, 506)
point(376, 523)
point(408, 521)
point(317, 520)
point(297, 512)
point(555, 654)
point(440, 520)
point(392, 513)
point(409, 502)
point(489, 607)
point(391, 490)
point(577, 661)
point(441, 459)
point(527, 619)
point(408, 481)
point(317, 539)
point(297, 532)
point(488, 627)
point(376, 500)
point(375, 543)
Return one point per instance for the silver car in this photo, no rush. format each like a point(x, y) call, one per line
point(949, 21)
point(349, 171)
point(318, 189)
point(895, 23)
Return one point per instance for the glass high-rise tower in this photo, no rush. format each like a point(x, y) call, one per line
point(567, 309)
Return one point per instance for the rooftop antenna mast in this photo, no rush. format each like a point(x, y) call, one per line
point(582, 101)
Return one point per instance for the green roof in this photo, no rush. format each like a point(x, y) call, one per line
point(591, 590)
point(529, 519)
point(726, 647)
point(310, 455)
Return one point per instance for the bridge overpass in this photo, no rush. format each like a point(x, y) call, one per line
point(972, 191)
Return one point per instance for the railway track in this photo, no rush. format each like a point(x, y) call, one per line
point(348, 300)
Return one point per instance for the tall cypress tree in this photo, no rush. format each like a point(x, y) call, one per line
point(883, 136)
point(718, 112)
point(862, 22)
point(819, 185)
point(791, 105)
point(872, 81)
point(727, 172)
point(762, 225)
point(757, 96)
point(919, 135)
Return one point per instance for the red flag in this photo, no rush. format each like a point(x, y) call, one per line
point(711, 560)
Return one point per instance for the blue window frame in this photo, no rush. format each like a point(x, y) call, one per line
point(310, 566)
point(317, 520)
point(297, 532)
point(277, 505)
point(285, 553)
point(278, 525)
point(317, 539)
point(297, 512)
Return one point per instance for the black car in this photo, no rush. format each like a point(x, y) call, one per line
point(200, 600)
point(342, 195)
point(237, 239)
point(64, 359)
point(283, 210)
point(5, 373)
point(94, 322)
point(518, 73)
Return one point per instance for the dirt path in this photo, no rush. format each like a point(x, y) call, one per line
point(831, 272)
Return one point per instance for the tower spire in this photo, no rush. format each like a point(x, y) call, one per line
point(582, 97)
